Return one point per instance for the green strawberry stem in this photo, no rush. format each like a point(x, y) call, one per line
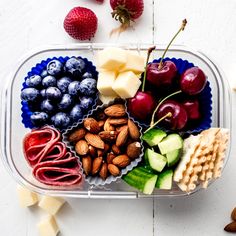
point(157, 107)
point(154, 124)
point(184, 22)
point(145, 72)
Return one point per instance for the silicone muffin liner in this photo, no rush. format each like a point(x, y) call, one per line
point(205, 101)
point(97, 181)
point(37, 70)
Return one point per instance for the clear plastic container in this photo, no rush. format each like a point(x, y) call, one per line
point(13, 131)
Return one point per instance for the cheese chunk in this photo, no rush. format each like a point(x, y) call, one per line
point(105, 82)
point(48, 227)
point(26, 197)
point(51, 204)
point(107, 99)
point(135, 63)
point(126, 84)
point(112, 58)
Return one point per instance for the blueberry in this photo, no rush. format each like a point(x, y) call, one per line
point(49, 81)
point(88, 86)
point(87, 75)
point(30, 94)
point(53, 93)
point(34, 106)
point(33, 81)
point(63, 83)
point(44, 73)
point(76, 113)
point(39, 118)
point(54, 67)
point(43, 93)
point(47, 106)
point(74, 88)
point(61, 120)
point(86, 102)
point(66, 102)
point(75, 66)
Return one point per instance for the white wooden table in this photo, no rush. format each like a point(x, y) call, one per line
point(25, 25)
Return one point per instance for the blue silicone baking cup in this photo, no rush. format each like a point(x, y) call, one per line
point(204, 98)
point(37, 70)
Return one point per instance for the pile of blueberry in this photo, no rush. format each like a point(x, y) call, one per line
point(62, 94)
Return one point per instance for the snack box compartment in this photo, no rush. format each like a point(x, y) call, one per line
point(13, 131)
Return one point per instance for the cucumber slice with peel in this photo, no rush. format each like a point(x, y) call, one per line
point(173, 157)
point(165, 180)
point(154, 136)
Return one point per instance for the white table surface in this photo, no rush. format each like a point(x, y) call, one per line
point(25, 25)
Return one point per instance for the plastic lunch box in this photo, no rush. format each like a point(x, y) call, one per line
point(13, 131)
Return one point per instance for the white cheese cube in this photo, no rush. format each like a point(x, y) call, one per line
point(112, 58)
point(106, 99)
point(126, 84)
point(48, 227)
point(51, 204)
point(135, 63)
point(105, 82)
point(26, 197)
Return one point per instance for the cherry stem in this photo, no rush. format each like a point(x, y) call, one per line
point(162, 118)
point(145, 72)
point(157, 107)
point(184, 22)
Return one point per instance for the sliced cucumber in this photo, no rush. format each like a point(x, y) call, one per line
point(147, 169)
point(170, 143)
point(140, 179)
point(165, 180)
point(153, 137)
point(155, 160)
point(173, 157)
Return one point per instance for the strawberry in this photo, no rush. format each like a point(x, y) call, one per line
point(81, 23)
point(126, 11)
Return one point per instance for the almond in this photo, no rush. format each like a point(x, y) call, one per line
point(106, 148)
point(101, 115)
point(133, 150)
point(119, 128)
point(92, 151)
point(233, 214)
point(110, 157)
point(107, 126)
point(118, 121)
point(133, 130)
point(116, 110)
point(97, 163)
point(121, 161)
point(81, 147)
point(231, 227)
point(94, 140)
point(108, 135)
point(122, 137)
point(115, 149)
point(87, 164)
point(91, 125)
point(114, 170)
point(76, 135)
point(101, 123)
point(100, 152)
point(103, 171)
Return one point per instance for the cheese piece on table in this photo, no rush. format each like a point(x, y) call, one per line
point(126, 84)
point(135, 63)
point(112, 58)
point(48, 227)
point(51, 204)
point(105, 82)
point(106, 99)
point(26, 197)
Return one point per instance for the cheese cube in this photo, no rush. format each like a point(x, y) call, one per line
point(26, 197)
point(126, 84)
point(105, 82)
point(51, 204)
point(107, 99)
point(48, 227)
point(135, 63)
point(112, 58)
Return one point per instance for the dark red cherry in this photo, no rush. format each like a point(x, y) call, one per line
point(193, 109)
point(141, 105)
point(178, 118)
point(193, 81)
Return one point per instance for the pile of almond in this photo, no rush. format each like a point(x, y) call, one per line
point(106, 142)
